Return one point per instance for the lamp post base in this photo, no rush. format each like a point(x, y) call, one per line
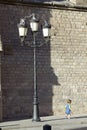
point(36, 116)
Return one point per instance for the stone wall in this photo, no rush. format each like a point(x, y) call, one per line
point(69, 59)
point(61, 64)
point(81, 2)
point(0, 81)
point(0, 94)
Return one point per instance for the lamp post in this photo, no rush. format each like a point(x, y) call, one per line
point(23, 28)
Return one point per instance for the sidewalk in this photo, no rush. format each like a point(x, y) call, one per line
point(78, 122)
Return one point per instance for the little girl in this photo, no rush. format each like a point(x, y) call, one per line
point(68, 108)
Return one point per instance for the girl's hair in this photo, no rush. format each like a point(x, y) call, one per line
point(69, 100)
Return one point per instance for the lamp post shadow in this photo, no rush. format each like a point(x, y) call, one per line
point(17, 68)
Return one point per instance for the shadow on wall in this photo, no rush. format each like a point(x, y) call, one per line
point(17, 66)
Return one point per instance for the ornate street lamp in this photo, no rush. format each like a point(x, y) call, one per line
point(23, 28)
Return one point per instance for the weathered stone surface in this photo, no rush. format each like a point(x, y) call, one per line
point(82, 2)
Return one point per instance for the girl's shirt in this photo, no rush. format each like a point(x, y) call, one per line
point(68, 109)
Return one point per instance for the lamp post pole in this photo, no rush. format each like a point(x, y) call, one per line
point(22, 27)
point(36, 116)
